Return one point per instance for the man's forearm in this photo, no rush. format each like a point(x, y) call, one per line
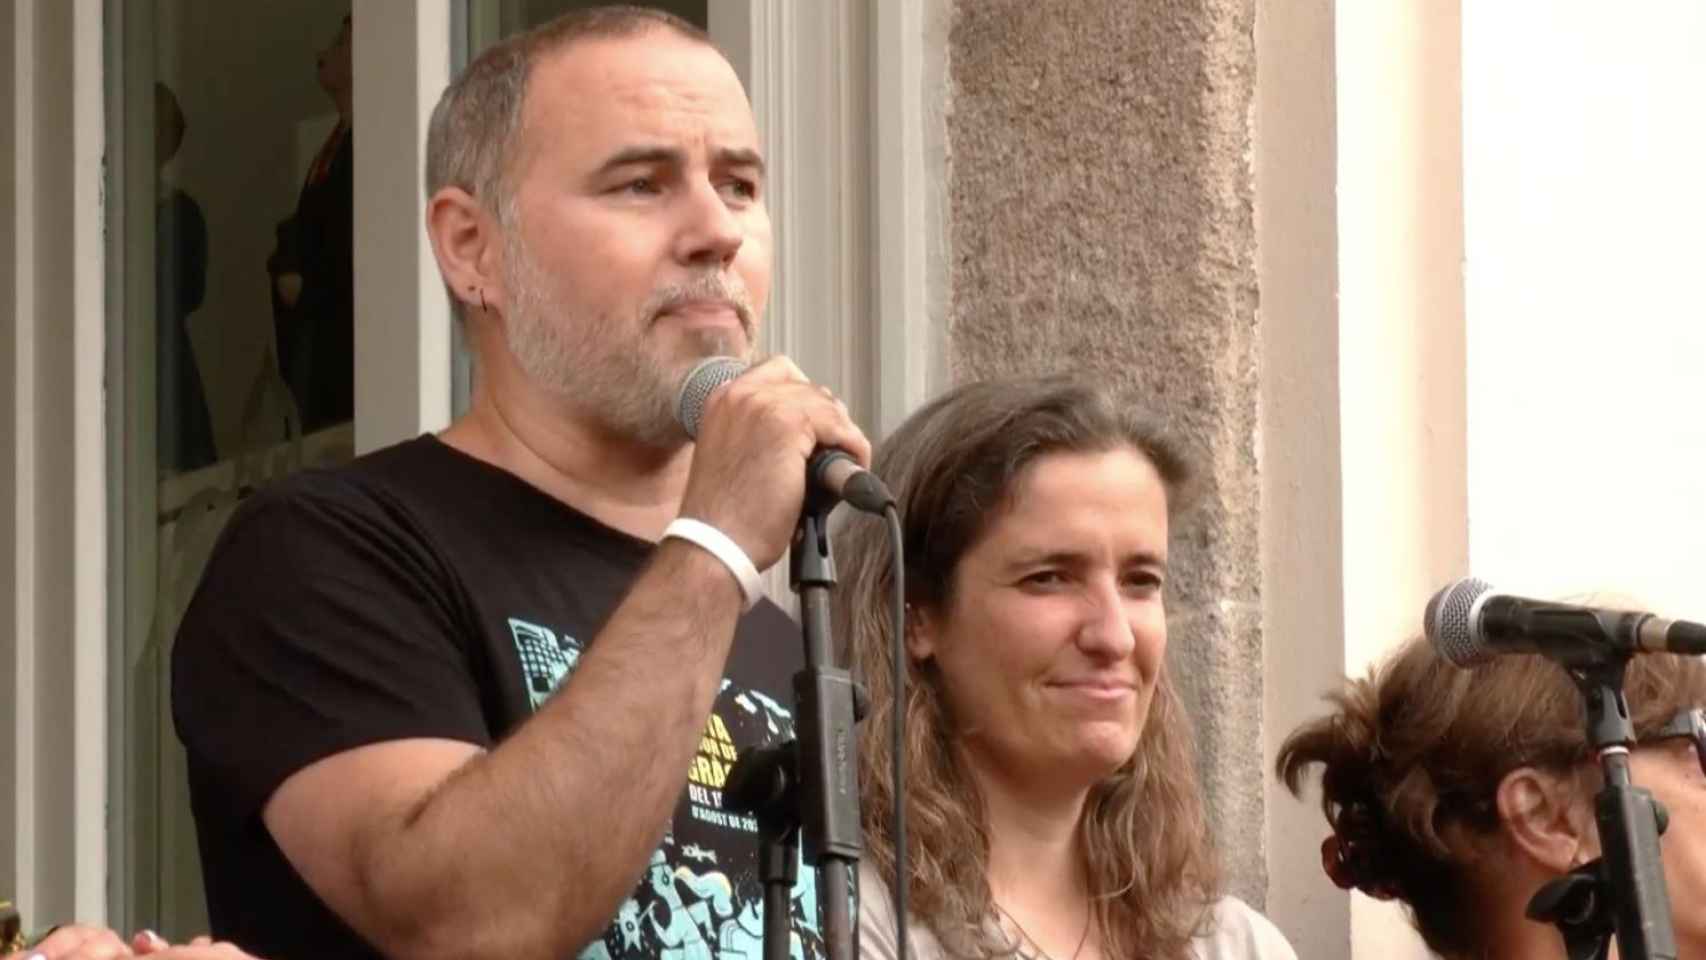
point(528, 850)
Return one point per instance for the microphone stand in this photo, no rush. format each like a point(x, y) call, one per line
point(1624, 891)
point(806, 791)
point(764, 782)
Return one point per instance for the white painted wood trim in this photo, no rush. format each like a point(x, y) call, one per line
point(908, 64)
point(755, 36)
point(55, 483)
point(18, 848)
point(773, 42)
point(806, 72)
point(88, 482)
point(402, 319)
point(830, 252)
point(848, 95)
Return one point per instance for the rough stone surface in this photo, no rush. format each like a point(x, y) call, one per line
point(1099, 206)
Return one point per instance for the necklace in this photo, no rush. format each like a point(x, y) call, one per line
point(1082, 937)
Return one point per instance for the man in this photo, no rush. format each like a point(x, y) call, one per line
point(364, 681)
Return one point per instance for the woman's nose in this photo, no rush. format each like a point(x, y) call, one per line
point(1106, 630)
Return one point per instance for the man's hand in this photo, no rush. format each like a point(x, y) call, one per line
point(749, 465)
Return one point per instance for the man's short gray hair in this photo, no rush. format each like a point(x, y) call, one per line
point(475, 129)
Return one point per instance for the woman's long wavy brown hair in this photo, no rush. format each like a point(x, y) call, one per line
point(953, 467)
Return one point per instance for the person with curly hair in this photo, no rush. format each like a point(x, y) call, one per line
point(1052, 805)
point(1460, 792)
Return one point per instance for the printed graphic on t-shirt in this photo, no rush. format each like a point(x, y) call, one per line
point(701, 897)
point(545, 660)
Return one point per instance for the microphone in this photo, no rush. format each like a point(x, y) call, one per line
point(830, 471)
point(1469, 622)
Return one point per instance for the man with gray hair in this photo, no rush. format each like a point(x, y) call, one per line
point(475, 695)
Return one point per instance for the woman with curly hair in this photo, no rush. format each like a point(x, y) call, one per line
point(1052, 807)
point(1462, 792)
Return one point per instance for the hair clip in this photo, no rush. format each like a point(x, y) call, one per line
point(1345, 865)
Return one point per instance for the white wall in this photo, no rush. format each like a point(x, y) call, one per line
point(1359, 232)
point(1584, 137)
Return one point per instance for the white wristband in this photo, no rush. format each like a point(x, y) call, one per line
point(717, 544)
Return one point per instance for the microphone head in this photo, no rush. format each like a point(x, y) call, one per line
point(696, 388)
point(1448, 624)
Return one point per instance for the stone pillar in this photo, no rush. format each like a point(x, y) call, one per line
point(1100, 197)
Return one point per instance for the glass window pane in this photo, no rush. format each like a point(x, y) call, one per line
point(255, 269)
point(236, 184)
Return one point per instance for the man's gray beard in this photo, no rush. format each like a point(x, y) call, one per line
point(624, 388)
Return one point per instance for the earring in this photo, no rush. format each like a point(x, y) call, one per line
point(483, 308)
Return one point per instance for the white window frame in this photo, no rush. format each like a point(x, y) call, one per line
point(53, 463)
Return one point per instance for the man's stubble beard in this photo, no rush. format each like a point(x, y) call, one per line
point(602, 368)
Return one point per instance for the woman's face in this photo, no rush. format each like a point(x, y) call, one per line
point(1671, 770)
point(1050, 647)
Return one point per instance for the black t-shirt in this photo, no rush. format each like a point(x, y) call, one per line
point(419, 592)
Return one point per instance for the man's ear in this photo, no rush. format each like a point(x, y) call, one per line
point(469, 247)
point(1544, 815)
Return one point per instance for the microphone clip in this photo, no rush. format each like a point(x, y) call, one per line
point(1625, 892)
point(1575, 903)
